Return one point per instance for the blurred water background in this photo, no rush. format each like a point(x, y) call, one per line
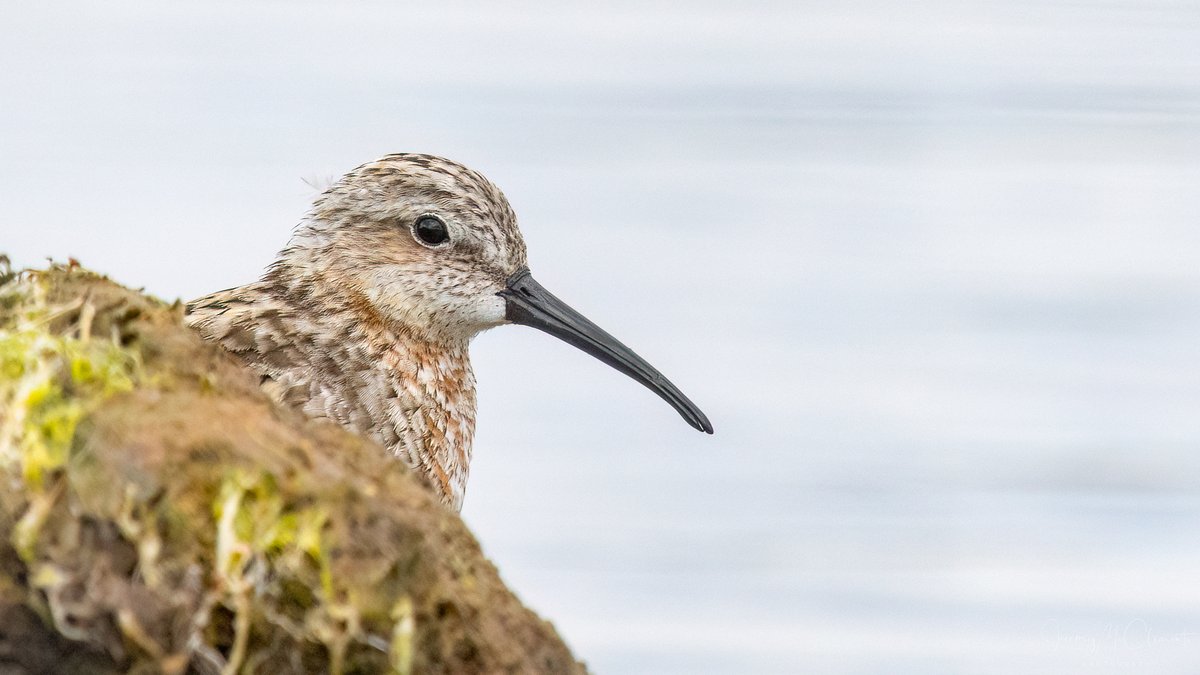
point(930, 267)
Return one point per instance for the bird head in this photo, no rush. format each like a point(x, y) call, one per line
point(427, 242)
point(433, 248)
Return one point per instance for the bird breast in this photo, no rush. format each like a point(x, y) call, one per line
point(430, 408)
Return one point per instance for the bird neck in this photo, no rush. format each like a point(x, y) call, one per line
point(433, 414)
point(411, 391)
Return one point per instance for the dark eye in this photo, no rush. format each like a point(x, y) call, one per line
point(430, 230)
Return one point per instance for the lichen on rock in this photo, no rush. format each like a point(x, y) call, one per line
point(160, 514)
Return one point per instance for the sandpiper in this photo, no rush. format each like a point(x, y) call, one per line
point(365, 316)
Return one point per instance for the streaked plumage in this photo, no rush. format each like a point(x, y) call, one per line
point(360, 322)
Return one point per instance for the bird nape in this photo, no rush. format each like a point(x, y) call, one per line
point(365, 316)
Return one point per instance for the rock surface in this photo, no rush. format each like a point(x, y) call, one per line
point(159, 514)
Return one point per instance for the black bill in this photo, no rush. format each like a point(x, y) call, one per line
point(528, 304)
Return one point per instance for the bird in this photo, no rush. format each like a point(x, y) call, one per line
point(365, 316)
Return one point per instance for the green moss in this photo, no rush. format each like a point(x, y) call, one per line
point(400, 649)
point(255, 524)
point(50, 424)
point(50, 382)
point(14, 351)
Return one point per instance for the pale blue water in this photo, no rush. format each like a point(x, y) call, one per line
point(931, 268)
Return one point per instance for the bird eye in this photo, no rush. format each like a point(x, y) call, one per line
point(430, 231)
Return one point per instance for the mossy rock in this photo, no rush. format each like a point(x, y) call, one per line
point(160, 514)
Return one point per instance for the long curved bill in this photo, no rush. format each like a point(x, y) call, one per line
point(529, 304)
